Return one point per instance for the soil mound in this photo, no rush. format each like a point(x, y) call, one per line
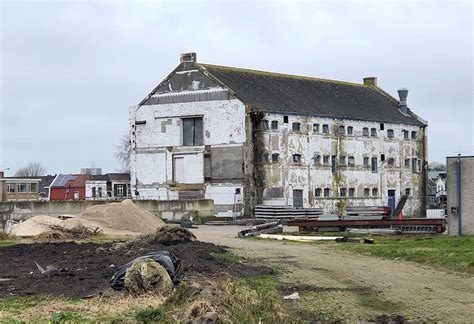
point(35, 226)
point(123, 216)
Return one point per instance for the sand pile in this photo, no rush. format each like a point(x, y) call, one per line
point(35, 226)
point(124, 217)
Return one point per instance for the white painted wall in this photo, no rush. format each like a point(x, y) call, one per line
point(97, 184)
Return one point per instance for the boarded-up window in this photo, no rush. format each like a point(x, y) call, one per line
point(192, 131)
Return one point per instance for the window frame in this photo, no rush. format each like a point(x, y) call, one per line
point(298, 128)
point(390, 133)
point(316, 128)
point(273, 123)
point(277, 155)
point(194, 139)
point(350, 130)
point(11, 185)
point(325, 129)
point(318, 192)
point(327, 192)
point(365, 132)
point(296, 157)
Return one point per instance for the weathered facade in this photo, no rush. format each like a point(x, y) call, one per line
point(244, 137)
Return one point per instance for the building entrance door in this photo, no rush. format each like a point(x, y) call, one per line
point(297, 198)
point(178, 170)
point(391, 201)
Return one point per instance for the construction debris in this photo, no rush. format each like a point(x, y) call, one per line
point(267, 228)
point(293, 296)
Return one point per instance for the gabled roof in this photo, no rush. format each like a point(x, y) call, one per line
point(283, 93)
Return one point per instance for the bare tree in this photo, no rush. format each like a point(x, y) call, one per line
point(123, 152)
point(33, 169)
point(436, 166)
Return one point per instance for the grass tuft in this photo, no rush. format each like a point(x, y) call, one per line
point(147, 315)
point(67, 317)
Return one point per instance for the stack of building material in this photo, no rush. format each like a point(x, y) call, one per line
point(367, 212)
point(285, 212)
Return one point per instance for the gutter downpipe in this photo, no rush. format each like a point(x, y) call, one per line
point(458, 167)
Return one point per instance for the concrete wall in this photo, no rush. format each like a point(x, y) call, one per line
point(168, 210)
point(310, 174)
point(467, 195)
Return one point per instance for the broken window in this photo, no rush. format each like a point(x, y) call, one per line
point(351, 192)
point(342, 160)
point(297, 158)
point(343, 192)
point(351, 160)
point(413, 135)
point(382, 126)
point(33, 187)
point(405, 134)
point(296, 127)
point(264, 124)
point(366, 161)
point(374, 165)
point(327, 192)
point(22, 187)
point(192, 131)
point(390, 133)
point(391, 162)
point(325, 129)
point(274, 124)
point(382, 157)
point(375, 192)
point(317, 192)
point(315, 128)
point(373, 132)
point(342, 130)
point(326, 159)
point(366, 192)
point(407, 163)
point(350, 130)
point(11, 187)
point(275, 157)
point(365, 131)
point(285, 119)
point(317, 159)
point(407, 191)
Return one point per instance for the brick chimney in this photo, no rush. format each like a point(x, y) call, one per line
point(188, 57)
point(370, 81)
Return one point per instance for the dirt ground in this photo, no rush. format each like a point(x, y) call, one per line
point(348, 286)
point(84, 269)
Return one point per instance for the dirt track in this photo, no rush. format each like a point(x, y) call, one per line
point(350, 286)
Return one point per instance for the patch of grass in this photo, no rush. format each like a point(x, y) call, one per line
point(67, 317)
point(18, 304)
point(147, 315)
point(455, 253)
point(227, 256)
point(8, 243)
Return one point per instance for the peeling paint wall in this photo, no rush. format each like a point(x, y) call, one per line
point(312, 176)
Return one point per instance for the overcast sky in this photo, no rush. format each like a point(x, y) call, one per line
point(70, 70)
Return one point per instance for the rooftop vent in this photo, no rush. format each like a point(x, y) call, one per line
point(371, 81)
point(402, 106)
point(188, 57)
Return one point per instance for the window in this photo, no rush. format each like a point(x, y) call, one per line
point(140, 122)
point(351, 160)
point(374, 165)
point(119, 190)
point(351, 192)
point(382, 157)
point(21, 187)
point(413, 165)
point(373, 132)
point(285, 119)
point(407, 191)
point(413, 135)
point(365, 131)
point(342, 130)
point(419, 166)
point(264, 124)
point(366, 192)
point(33, 187)
point(375, 192)
point(327, 192)
point(407, 163)
point(296, 127)
point(342, 160)
point(192, 131)
point(391, 162)
point(366, 161)
point(333, 163)
point(315, 128)
point(317, 159)
point(350, 130)
point(343, 192)
point(390, 133)
point(275, 157)
point(317, 192)
point(11, 187)
point(405, 134)
point(99, 190)
point(382, 126)
point(265, 157)
point(297, 158)
point(325, 129)
point(274, 124)
point(326, 159)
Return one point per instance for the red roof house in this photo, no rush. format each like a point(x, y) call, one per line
point(69, 187)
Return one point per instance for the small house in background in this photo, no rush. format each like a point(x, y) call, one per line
point(68, 187)
point(109, 186)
